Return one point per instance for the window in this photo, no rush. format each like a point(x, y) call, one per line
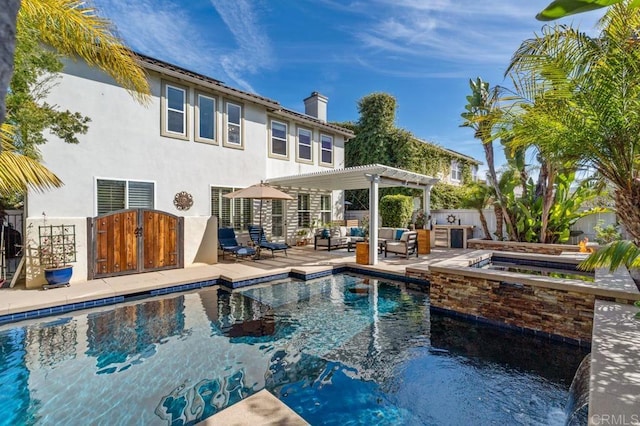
point(174, 111)
point(456, 171)
point(325, 208)
point(115, 195)
point(231, 213)
point(326, 149)
point(205, 118)
point(279, 138)
point(277, 218)
point(234, 124)
point(304, 213)
point(304, 145)
point(474, 173)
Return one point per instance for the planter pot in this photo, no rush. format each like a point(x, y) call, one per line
point(58, 276)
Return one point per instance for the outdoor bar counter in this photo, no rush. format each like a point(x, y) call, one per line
point(451, 234)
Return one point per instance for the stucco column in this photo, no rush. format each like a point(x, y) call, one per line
point(373, 219)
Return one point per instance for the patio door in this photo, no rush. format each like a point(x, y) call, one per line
point(134, 241)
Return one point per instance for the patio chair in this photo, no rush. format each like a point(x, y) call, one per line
point(256, 233)
point(229, 244)
point(407, 245)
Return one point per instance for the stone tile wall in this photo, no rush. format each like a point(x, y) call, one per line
point(521, 247)
point(557, 312)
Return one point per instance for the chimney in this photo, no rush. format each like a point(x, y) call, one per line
point(316, 106)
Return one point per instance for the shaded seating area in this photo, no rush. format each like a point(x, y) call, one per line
point(256, 233)
point(407, 245)
point(228, 244)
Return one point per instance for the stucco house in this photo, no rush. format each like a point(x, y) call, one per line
point(196, 140)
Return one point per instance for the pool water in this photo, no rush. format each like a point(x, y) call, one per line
point(571, 274)
point(340, 350)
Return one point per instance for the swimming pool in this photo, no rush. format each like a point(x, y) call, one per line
point(339, 350)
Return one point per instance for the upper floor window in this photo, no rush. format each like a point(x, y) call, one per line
point(456, 171)
point(304, 145)
point(174, 111)
point(112, 195)
point(279, 133)
point(234, 124)
point(205, 118)
point(326, 149)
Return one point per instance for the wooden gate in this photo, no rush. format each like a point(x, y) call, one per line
point(134, 241)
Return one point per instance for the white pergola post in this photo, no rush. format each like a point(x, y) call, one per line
point(426, 201)
point(373, 219)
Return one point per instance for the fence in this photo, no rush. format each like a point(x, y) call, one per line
point(584, 227)
point(11, 231)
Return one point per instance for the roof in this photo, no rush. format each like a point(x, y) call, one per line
point(355, 178)
point(272, 106)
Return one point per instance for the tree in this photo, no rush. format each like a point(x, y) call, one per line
point(71, 28)
point(591, 87)
point(36, 69)
point(478, 198)
point(482, 115)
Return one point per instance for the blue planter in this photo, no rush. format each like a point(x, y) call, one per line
point(58, 276)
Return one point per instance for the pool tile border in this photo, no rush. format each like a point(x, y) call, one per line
point(523, 330)
point(55, 310)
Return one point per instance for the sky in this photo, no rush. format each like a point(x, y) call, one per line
point(422, 52)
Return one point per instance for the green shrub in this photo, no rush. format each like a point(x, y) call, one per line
point(606, 234)
point(396, 210)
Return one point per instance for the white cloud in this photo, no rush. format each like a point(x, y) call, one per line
point(253, 51)
point(164, 30)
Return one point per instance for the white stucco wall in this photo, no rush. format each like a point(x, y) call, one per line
point(124, 142)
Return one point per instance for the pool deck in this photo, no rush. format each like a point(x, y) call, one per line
point(303, 260)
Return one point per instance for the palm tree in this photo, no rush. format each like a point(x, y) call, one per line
point(72, 28)
point(592, 90)
point(482, 114)
point(478, 198)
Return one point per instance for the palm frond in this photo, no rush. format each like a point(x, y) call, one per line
point(73, 28)
point(17, 172)
point(613, 255)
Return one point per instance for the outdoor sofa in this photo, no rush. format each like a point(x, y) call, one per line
point(341, 236)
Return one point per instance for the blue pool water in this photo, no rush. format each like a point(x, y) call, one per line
point(340, 350)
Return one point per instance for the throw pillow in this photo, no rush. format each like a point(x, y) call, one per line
point(355, 232)
point(399, 233)
point(325, 233)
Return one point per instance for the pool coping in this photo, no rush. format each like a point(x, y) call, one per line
point(156, 287)
point(261, 408)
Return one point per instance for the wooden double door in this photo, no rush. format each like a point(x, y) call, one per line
point(134, 241)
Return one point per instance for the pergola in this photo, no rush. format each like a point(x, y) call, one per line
point(370, 177)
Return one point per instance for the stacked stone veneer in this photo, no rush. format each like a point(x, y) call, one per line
point(521, 247)
point(560, 313)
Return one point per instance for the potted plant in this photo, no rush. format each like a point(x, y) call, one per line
point(56, 250)
point(301, 239)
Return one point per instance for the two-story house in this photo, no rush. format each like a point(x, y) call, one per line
point(196, 140)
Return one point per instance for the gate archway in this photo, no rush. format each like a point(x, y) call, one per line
point(134, 241)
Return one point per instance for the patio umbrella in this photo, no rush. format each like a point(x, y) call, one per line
point(260, 191)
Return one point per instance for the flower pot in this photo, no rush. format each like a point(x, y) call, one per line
point(58, 276)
